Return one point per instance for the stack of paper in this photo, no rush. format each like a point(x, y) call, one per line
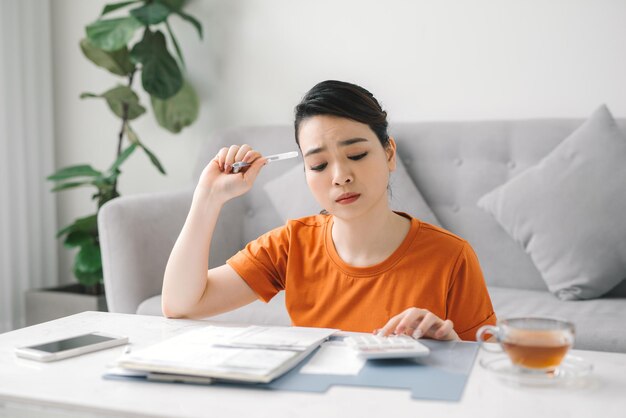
point(251, 354)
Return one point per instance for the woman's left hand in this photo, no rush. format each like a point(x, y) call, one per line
point(420, 323)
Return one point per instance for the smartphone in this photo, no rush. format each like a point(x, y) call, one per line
point(70, 347)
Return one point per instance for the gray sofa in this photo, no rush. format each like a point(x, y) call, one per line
point(452, 163)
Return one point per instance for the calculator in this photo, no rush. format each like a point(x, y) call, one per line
point(370, 346)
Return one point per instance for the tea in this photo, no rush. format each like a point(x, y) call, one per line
point(530, 356)
point(532, 344)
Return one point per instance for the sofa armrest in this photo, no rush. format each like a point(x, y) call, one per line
point(137, 234)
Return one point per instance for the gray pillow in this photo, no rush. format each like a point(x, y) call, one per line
point(568, 211)
point(404, 195)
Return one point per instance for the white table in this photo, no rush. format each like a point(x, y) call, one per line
point(74, 387)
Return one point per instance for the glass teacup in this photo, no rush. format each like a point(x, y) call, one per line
point(532, 344)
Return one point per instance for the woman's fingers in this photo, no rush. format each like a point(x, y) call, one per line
point(390, 326)
point(403, 323)
point(226, 157)
point(408, 322)
point(235, 153)
point(216, 176)
point(446, 329)
point(429, 322)
point(241, 153)
point(420, 323)
point(434, 327)
point(251, 156)
point(221, 157)
point(230, 158)
point(250, 174)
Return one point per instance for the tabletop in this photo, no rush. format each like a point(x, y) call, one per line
point(75, 387)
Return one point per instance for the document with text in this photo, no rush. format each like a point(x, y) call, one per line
point(249, 354)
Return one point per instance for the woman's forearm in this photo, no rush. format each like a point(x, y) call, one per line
point(185, 276)
point(185, 280)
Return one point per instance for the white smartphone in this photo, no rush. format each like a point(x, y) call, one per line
point(70, 347)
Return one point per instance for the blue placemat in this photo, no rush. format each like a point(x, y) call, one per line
point(442, 375)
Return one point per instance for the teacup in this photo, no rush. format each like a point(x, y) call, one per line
point(532, 344)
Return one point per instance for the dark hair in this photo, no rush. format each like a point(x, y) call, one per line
point(346, 100)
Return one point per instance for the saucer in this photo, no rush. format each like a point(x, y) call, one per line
point(571, 369)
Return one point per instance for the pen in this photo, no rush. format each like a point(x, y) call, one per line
point(276, 157)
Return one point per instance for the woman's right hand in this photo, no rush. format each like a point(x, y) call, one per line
point(218, 178)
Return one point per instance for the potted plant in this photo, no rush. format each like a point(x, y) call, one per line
point(129, 46)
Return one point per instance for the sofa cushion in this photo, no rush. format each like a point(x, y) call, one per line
point(299, 201)
point(256, 313)
point(598, 322)
point(567, 211)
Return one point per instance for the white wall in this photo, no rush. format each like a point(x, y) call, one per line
point(424, 60)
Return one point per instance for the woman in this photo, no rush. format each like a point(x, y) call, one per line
point(359, 266)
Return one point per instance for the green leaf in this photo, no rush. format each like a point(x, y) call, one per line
point(155, 161)
point(112, 34)
point(70, 185)
point(88, 258)
point(74, 171)
point(151, 14)
point(176, 7)
point(105, 182)
point(173, 5)
point(120, 95)
point(77, 239)
point(191, 20)
point(88, 264)
point(176, 46)
point(134, 139)
point(88, 279)
point(111, 7)
point(178, 111)
point(88, 95)
point(117, 62)
point(160, 75)
point(123, 156)
point(87, 224)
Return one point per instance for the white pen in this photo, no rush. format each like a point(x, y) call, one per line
point(276, 157)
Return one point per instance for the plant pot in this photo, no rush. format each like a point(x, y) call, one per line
point(55, 302)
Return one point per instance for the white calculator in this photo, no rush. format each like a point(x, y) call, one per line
point(378, 347)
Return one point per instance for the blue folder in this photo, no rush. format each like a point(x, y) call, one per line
point(441, 375)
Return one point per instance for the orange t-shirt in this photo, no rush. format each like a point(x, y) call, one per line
point(432, 269)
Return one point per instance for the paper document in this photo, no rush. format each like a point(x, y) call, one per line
point(294, 338)
point(254, 354)
point(334, 358)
